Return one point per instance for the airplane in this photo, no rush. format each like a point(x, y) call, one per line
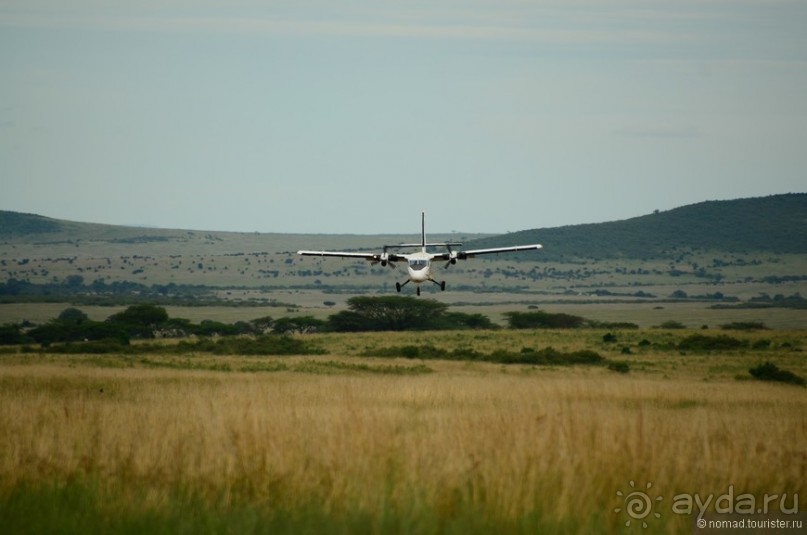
point(419, 263)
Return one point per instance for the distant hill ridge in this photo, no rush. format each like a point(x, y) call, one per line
point(18, 224)
point(775, 224)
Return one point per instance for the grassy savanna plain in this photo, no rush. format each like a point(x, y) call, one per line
point(350, 442)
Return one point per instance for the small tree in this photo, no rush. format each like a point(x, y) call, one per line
point(302, 324)
point(72, 315)
point(140, 320)
point(397, 313)
point(10, 334)
point(74, 281)
point(261, 325)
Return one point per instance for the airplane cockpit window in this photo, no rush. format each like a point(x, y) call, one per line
point(417, 264)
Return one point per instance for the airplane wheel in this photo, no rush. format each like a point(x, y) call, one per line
point(443, 286)
point(418, 290)
point(398, 287)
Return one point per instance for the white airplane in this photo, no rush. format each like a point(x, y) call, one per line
point(419, 263)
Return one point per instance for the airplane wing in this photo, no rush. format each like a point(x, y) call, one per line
point(372, 257)
point(464, 255)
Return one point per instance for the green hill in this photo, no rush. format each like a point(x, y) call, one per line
point(14, 224)
point(774, 224)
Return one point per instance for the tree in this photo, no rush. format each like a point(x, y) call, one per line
point(390, 313)
point(140, 320)
point(215, 328)
point(10, 334)
point(302, 324)
point(74, 281)
point(461, 320)
point(72, 315)
point(262, 324)
point(348, 321)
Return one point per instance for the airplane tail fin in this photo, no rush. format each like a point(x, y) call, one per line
point(423, 230)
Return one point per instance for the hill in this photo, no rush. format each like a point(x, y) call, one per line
point(15, 224)
point(774, 224)
point(749, 252)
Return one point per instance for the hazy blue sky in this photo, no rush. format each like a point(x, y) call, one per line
point(352, 116)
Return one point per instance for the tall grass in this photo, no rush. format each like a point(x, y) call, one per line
point(463, 449)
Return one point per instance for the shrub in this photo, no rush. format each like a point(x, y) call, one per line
point(702, 342)
point(70, 331)
point(770, 372)
point(621, 325)
point(95, 347)
point(301, 324)
point(543, 320)
point(543, 357)
point(270, 344)
point(11, 334)
point(619, 366)
point(744, 326)
point(672, 324)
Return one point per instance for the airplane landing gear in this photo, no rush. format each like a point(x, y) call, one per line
point(441, 284)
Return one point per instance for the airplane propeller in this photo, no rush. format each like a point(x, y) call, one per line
point(452, 257)
point(384, 259)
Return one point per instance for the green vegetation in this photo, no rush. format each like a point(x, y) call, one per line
point(744, 326)
point(148, 422)
point(544, 357)
point(137, 321)
point(619, 366)
point(99, 292)
point(380, 432)
point(85, 505)
point(263, 345)
point(706, 343)
point(260, 345)
point(794, 301)
point(770, 372)
point(398, 313)
point(543, 320)
point(672, 324)
point(390, 313)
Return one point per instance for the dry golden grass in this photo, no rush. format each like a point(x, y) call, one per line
point(505, 443)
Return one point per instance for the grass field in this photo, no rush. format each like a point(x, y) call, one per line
point(349, 443)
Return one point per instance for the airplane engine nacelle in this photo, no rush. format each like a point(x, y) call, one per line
point(452, 258)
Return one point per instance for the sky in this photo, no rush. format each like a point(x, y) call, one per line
point(317, 116)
